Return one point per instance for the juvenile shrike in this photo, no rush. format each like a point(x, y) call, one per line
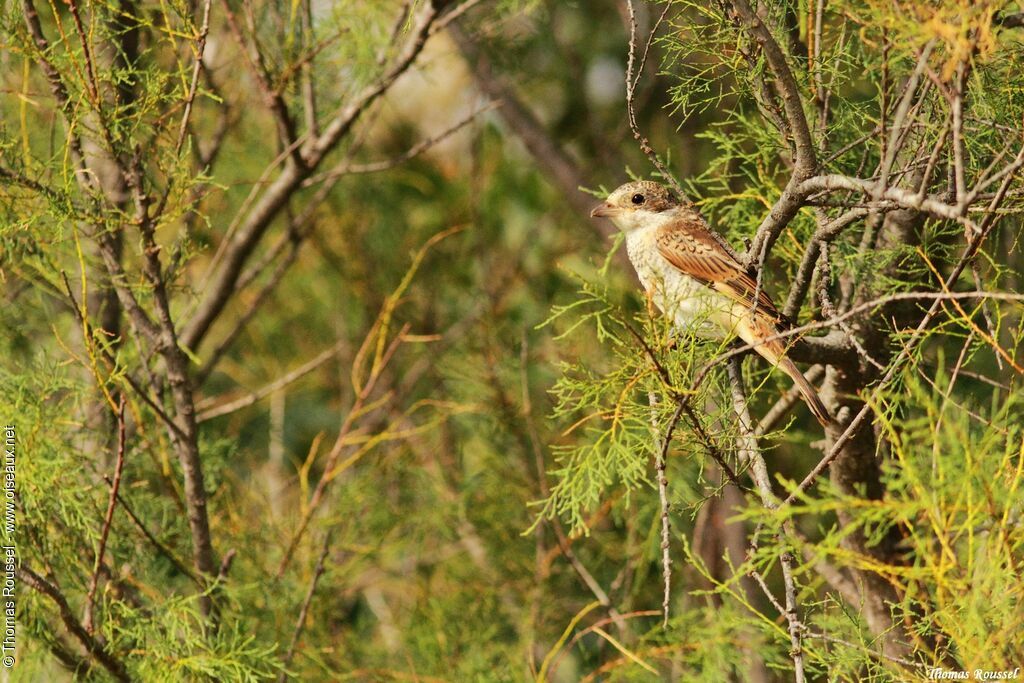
point(693, 277)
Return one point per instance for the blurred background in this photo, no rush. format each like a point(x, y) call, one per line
point(381, 401)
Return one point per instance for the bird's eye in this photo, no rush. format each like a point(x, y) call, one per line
point(638, 199)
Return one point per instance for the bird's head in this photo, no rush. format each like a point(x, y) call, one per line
point(638, 204)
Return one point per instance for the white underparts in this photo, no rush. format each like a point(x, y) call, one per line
point(690, 304)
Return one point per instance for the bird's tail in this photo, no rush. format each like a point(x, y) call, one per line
point(807, 389)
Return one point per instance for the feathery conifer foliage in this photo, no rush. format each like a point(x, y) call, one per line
point(319, 371)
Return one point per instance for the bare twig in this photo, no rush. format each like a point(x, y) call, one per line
point(957, 106)
point(300, 622)
point(901, 196)
point(900, 121)
point(90, 69)
point(108, 519)
point(661, 465)
point(759, 473)
point(632, 78)
point(828, 308)
point(275, 102)
point(453, 15)
point(347, 168)
point(825, 233)
point(308, 83)
point(273, 200)
point(190, 98)
point(226, 563)
point(93, 646)
point(936, 297)
point(805, 162)
point(207, 411)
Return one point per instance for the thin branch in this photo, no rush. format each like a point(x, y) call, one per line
point(661, 465)
point(90, 69)
point(452, 15)
point(346, 168)
point(252, 228)
point(828, 308)
point(193, 87)
point(631, 83)
point(108, 519)
point(900, 117)
point(275, 103)
point(190, 97)
point(937, 297)
point(805, 162)
point(957, 106)
point(759, 473)
point(785, 403)
point(225, 565)
point(825, 233)
point(176, 366)
point(300, 623)
point(901, 196)
point(161, 548)
point(207, 411)
point(93, 646)
point(933, 158)
point(759, 579)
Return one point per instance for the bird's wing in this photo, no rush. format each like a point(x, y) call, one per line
point(689, 245)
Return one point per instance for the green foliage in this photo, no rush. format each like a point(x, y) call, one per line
point(523, 382)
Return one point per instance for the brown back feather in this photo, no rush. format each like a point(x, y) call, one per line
point(689, 245)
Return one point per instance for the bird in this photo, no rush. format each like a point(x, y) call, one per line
point(696, 279)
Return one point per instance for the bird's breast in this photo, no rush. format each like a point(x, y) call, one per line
point(686, 301)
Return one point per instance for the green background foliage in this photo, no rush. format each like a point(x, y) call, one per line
point(493, 513)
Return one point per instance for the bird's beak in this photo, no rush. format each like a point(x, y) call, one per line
point(604, 210)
